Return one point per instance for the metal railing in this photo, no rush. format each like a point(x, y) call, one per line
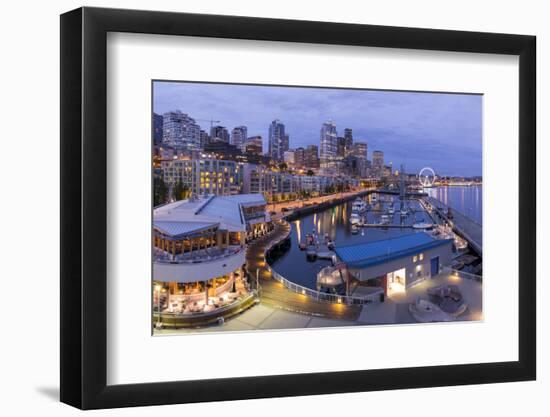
point(321, 296)
point(166, 257)
point(463, 274)
point(317, 295)
point(216, 311)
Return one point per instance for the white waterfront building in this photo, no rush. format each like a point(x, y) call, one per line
point(199, 250)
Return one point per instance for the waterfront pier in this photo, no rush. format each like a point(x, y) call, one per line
point(275, 294)
point(461, 224)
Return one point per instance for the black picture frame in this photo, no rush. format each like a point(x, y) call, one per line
point(84, 207)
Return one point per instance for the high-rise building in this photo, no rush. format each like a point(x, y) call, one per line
point(299, 157)
point(377, 163)
point(329, 145)
point(157, 129)
point(204, 138)
point(340, 147)
point(239, 135)
point(289, 158)
point(348, 141)
point(276, 140)
point(386, 171)
point(285, 144)
point(311, 156)
point(359, 150)
point(254, 145)
point(219, 133)
point(180, 131)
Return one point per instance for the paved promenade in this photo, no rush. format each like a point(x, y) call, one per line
point(469, 229)
point(268, 316)
point(274, 294)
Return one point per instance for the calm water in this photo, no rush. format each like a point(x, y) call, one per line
point(467, 200)
point(335, 221)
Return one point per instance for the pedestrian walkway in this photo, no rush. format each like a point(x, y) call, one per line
point(468, 228)
point(274, 294)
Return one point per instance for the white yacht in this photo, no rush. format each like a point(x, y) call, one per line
point(423, 225)
point(358, 206)
point(355, 219)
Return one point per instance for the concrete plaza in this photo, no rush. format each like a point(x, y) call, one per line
point(394, 310)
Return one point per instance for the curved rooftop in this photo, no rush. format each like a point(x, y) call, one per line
point(187, 217)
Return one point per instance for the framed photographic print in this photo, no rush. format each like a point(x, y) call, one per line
point(256, 208)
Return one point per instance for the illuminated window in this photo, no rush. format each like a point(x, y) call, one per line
point(421, 256)
point(415, 258)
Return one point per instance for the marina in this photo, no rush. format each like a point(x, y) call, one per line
point(310, 233)
point(257, 225)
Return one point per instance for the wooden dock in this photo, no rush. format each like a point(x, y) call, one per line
point(387, 226)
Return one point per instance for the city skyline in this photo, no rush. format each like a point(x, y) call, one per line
point(416, 129)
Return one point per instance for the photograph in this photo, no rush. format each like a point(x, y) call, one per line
point(293, 207)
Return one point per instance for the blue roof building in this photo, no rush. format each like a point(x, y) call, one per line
point(396, 264)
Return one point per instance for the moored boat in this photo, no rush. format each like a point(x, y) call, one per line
point(355, 219)
point(422, 225)
point(358, 206)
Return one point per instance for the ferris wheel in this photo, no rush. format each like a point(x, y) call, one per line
point(426, 177)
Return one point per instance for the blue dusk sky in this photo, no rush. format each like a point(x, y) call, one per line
point(443, 131)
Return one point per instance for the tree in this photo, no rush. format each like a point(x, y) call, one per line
point(180, 191)
point(160, 192)
point(283, 166)
point(186, 192)
point(310, 173)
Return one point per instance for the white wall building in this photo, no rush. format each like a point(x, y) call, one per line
point(204, 176)
point(181, 131)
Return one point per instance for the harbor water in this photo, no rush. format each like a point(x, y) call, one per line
point(335, 223)
point(466, 199)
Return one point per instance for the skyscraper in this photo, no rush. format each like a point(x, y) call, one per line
point(285, 144)
point(239, 135)
point(254, 145)
point(348, 141)
point(157, 129)
point(204, 138)
point(180, 131)
point(329, 146)
point(311, 156)
point(276, 140)
point(219, 133)
point(377, 163)
point(340, 147)
point(359, 150)
point(299, 157)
